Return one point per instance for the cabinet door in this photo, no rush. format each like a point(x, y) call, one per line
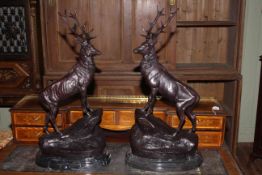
point(118, 26)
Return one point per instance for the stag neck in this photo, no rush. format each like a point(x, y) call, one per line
point(86, 61)
point(151, 55)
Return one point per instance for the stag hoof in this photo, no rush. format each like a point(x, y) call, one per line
point(191, 131)
point(60, 134)
point(46, 131)
point(87, 115)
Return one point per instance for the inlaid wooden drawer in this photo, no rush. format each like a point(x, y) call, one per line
point(29, 134)
point(210, 139)
point(115, 120)
point(203, 122)
point(33, 119)
point(125, 120)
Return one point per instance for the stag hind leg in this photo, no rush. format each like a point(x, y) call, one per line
point(85, 106)
point(47, 119)
point(181, 116)
point(53, 119)
point(192, 118)
point(190, 114)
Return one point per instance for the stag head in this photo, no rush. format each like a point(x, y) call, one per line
point(81, 34)
point(151, 35)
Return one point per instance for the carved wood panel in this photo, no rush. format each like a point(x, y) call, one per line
point(19, 57)
point(12, 75)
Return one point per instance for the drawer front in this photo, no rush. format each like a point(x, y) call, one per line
point(33, 119)
point(125, 120)
point(28, 134)
point(115, 120)
point(74, 116)
point(203, 122)
point(160, 115)
point(210, 139)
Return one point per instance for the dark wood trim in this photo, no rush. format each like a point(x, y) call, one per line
point(257, 146)
point(205, 23)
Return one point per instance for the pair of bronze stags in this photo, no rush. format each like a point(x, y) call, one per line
point(157, 77)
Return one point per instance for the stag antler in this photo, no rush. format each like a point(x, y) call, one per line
point(160, 13)
point(73, 29)
point(163, 26)
point(152, 24)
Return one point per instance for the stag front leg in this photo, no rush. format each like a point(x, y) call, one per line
point(85, 106)
point(151, 101)
point(47, 119)
point(53, 115)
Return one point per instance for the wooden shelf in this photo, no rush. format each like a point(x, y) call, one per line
point(207, 72)
point(205, 23)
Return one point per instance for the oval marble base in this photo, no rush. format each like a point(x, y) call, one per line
point(164, 165)
point(61, 163)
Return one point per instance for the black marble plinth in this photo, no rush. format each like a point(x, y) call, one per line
point(164, 165)
point(62, 163)
point(22, 159)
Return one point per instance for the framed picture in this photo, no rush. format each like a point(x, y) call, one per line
point(14, 26)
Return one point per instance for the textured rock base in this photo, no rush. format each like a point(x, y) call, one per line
point(164, 165)
point(81, 146)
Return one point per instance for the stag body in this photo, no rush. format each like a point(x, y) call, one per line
point(161, 81)
point(76, 81)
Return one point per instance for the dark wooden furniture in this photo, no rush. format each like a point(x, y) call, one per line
point(19, 50)
point(205, 51)
point(257, 146)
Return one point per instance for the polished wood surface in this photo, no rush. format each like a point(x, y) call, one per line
point(243, 159)
point(28, 134)
point(33, 119)
point(210, 138)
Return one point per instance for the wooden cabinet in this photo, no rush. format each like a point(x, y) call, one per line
point(204, 52)
point(19, 50)
point(28, 118)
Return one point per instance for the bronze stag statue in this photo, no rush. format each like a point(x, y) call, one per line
point(76, 81)
point(155, 145)
point(81, 146)
point(160, 80)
